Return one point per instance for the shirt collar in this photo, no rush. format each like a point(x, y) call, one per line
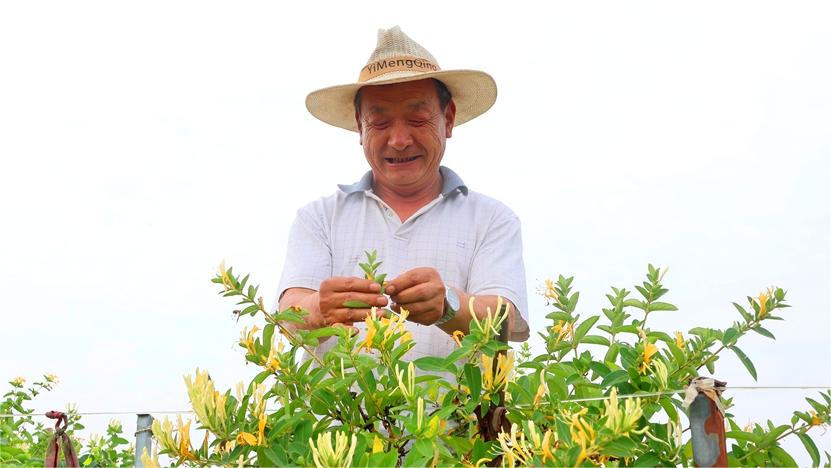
point(452, 182)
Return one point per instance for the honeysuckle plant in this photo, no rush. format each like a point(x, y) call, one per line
point(603, 392)
point(24, 434)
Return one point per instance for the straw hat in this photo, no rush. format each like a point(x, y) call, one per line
point(397, 59)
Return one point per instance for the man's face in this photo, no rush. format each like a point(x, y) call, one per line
point(403, 131)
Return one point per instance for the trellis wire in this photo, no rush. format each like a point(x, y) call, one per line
point(571, 400)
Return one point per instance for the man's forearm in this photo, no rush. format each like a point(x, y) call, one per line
point(517, 327)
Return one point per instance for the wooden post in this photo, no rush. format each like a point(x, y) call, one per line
point(707, 428)
point(144, 437)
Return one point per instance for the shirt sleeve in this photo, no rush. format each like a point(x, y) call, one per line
point(309, 256)
point(497, 268)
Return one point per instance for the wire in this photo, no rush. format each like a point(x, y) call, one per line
point(571, 400)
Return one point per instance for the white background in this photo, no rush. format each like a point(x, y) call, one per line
point(142, 143)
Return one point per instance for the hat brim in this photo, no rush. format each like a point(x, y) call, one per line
point(474, 92)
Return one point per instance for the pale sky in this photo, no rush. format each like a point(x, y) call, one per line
point(142, 143)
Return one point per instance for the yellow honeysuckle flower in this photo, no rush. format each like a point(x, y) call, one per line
point(549, 291)
point(371, 330)
point(272, 363)
point(377, 445)
point(622, 422)
point(542, 390)
point(18, 381)
point(114, 425)
point(207, 403)
point(407, 389)
point(184, 439)
point(514, 449)
point(225, 447)
point(340, 454)
point(661, 374)
point(546, 446)
point(583, 434)
point(649, 350)
point(246, 438)
point(457, 337)
point(679, 339)
point(491, 324)
point(163, 432)
point(51, 378)
point(419, 413)
point(563, 329)
point(148, 461)
point(223, 274)
point(396, 325)
point(763, 303)
point(815, 420)
point(247, 339)
point(536, 441)
point(258, 405)
point(504, 370)
point(261, 429)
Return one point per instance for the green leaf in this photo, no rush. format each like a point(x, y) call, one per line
point(383, 459)
point(473, 378)
point(658, 306)
point(584, 327)
point(745, 360)
point(711, 366)
point(611, 354)
point(669, 407)
point(572, 301)
point(746, 316)
point(557, 316)
point(648, 459)
point(621, 447)
point(595, 340)
point(433, 364)
point(780, 296)
point(763, 331)
point(810, 446)
point(614, 378)
point(268, 332)
point(634, 303)
point(741, 435)
point(367, 269)
point(729, 336)
point(356, 304)
point(781, 457)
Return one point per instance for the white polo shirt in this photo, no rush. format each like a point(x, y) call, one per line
point(472, 240)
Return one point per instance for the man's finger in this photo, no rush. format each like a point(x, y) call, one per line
point(353, 300)
point(417, 293)
point(407, 280)
point(353, 284)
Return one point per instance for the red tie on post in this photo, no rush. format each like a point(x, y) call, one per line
point(59, 440)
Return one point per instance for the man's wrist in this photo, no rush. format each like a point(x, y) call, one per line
point(451, 306)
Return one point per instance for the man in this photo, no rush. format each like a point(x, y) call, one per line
point(439, 242)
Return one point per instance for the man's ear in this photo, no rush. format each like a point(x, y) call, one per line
point(360, 129)
point(449, 118)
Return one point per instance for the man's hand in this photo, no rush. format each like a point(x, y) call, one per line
point(421, 292)
point(334, 294)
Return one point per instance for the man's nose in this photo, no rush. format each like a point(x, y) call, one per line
point(400, 137)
